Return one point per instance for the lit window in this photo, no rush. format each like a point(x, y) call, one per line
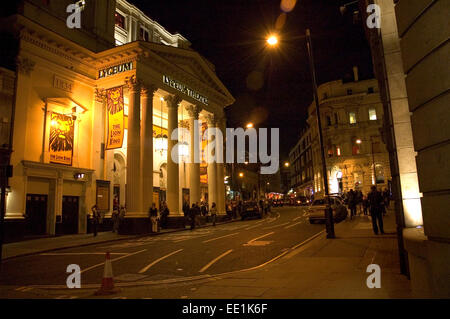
point(338, 151)
point(352, 117)
point(372, 114)
point(120, 20)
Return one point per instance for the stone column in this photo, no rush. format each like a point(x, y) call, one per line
point(221, 125)
point(133, 199)
point(147, 92)
point(194, 161)
point(212, 167)
point(173, 190)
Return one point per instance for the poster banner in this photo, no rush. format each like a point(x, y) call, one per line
point(114, 104)
point(204, 164)
point(61, 139)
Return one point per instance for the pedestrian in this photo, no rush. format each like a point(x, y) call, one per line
point(261, 207)
point(192, 214)
point(213, 213)
point(365, 205)
point(115, 219)
point(164, 215)
point(352, 203)
point(359, 199)
point(153, 212)
point(94, 219)
point(375, 207)
point(386, 197)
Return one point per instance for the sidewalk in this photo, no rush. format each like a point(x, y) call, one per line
point(323, 268)
point(36, 246)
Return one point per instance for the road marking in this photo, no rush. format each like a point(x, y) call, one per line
point(207, 241)
point(293, 225)
point(158, 260)
point(276, 226)
point(75, 254)
point(118, 258)
point(268, 234)
point(251, 227)
point(215, 260)
point(297, 218)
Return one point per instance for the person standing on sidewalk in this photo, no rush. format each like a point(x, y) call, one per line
point(154, 218)
point(352, 203)
point(213, 213)
point(376, 209)
point(115, 219)
point(94, 219)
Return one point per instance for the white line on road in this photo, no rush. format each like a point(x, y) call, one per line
point(118, 258)
point(207, 241)
point(158, 260)
point(215, 260)
point(260, 237)
point(293, 225)
point(251, 227)
point(297, 218)
point(75, 254)
point(276, 225)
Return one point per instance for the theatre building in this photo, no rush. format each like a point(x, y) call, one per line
point(94, 109)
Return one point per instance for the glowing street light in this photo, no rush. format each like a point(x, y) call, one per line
point(286, 164)
point(272, 40)
point(249, 125)
point(358, 141)
point(241, 175)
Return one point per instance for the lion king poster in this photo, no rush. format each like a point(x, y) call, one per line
point(114, 103)
point(61, 139)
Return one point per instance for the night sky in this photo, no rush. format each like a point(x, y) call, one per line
point(272, 87)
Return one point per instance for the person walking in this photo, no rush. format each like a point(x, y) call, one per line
point(375, 207)
point(365, 205)
point(153, 212)
point(94, 219)
point(213, 213)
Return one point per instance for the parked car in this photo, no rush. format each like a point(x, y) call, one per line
point(316, 211)
point(250, 209)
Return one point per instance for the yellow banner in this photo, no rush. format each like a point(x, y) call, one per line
point(61, 139)
point(203, 164)
point(114, 104)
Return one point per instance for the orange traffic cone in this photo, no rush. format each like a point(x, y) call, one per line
point(107, 287)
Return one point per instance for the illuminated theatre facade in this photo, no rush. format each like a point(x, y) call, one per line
point(91, 125)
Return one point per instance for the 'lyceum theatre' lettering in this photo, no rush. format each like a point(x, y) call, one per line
point(184, 89)
point(115, 70)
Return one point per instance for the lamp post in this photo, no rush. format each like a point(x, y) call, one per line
point(359, 141)
point(273, 41)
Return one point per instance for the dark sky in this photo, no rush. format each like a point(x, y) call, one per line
point(272, 87)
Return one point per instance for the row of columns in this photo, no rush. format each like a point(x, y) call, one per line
point(139, 192)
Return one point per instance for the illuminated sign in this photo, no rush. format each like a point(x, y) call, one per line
point(184, 89)
point(61, 139)
point(116, 127)
point(124, 67)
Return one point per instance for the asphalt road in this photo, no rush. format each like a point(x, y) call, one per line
point(203, 251)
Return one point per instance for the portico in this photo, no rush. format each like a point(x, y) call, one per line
point(163, 87)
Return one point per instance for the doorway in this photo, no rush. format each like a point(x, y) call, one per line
point(36, 214)
point(70, 206)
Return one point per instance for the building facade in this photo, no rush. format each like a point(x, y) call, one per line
point(356, 156)
point(410, 53)
point(95, 109)
point(301, 165)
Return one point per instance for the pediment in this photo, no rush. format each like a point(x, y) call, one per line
point(192, 63)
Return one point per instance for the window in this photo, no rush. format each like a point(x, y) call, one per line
point(143, 34)
point(372, 114)
point(352, 117)
point(370, 90)
point(336, 118)
point(120, 20)
point(328, 120)
point(338, 150)
point(349, 92)
point(379, 171)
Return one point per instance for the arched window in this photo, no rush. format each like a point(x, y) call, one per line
point(379, 173)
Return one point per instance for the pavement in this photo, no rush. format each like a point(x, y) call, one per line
point(323, 268)
point(42, 245)
point(314, 268)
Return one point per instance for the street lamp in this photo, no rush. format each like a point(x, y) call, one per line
point(286, 164)
point(374, 180)
point(249, 125)
point(241, 175)
point(272, 41)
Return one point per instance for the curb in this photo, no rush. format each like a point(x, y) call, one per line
point(113, 240)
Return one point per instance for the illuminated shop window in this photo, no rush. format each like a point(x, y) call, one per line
point(352, 117)
point(372, 114)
